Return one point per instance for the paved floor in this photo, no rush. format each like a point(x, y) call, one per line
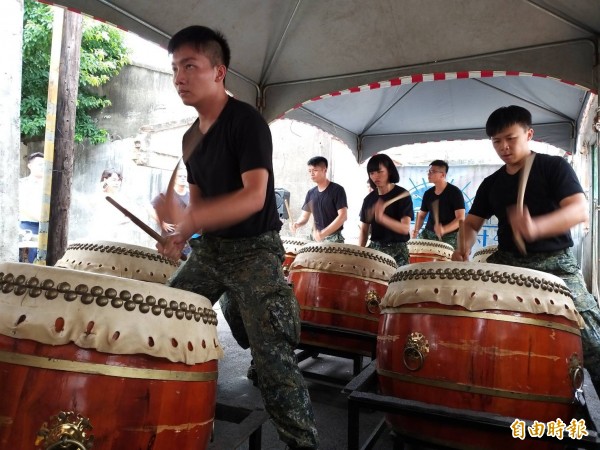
point(329, 403)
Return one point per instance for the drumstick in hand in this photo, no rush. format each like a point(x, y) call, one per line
point(521, 199)
point(461, 244)
point(153, 234)
point(395, 199)
point(287, 208)
point(371, 212)
point(314, 232)
point(435, 212)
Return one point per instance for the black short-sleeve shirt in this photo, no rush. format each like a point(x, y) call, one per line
point(551, 180)
point(397, 210)
point(450, 200)
point(239, 141)
point(325, 205)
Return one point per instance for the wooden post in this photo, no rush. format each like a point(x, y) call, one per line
point(62, 178)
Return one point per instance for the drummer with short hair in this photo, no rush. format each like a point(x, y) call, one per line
point(326, 202)
point(451, 207)
point(537, 234)
point(389, 225)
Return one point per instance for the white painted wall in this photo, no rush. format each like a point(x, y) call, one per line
point(10, 93)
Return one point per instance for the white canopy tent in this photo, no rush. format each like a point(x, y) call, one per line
point(360, 69)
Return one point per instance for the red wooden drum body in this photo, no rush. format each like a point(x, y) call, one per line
point(135, 359)
point(292, 246)
point(340, 286)
point(425, 250)
point(481, 337)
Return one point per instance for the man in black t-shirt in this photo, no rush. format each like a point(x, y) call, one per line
point(451, 206)
point(553, 203)
point(326, 202)
point(228, 156)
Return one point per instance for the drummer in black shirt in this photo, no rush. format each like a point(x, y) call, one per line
point(553, 203)
point(389, 226)
point(451, 207)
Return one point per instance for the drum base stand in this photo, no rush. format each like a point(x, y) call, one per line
point(313, 349)
point(243, 426)
point(362, 395)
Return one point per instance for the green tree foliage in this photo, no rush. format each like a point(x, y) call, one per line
point(103, 54)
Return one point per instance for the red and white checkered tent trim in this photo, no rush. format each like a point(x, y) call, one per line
point(437, 76)
point(411, 109)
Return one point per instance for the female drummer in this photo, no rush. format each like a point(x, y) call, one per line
point(388, 222)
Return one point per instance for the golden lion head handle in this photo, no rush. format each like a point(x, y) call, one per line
point(67, 430)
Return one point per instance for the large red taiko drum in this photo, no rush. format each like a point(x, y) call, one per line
point(118, 363)
point(118, 259)
point(291, 246)
point(483, 253)
point(425, 250)
point(481, 337)
point(340, 286)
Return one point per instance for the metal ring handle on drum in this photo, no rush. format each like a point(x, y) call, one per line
point(373, 302)
point(576, 372)
point(577, 378)
point(67, 444)
point(416, 348)
point(67, 430)
point(420, 357)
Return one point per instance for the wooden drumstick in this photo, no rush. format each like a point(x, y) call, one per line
point(314, 230)
point(461, 237)
point(521, 199)
point(435, 212)
point(395, 199)
point(287, 208)
point(149, 231)
point(387, 203)
point(171, 185)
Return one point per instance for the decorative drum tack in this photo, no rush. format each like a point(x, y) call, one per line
point(425, 250)
point(116, 362)
point(291, 245)
point(483, 253)
point(118, 259)
point(483, 337)
point(339, 286)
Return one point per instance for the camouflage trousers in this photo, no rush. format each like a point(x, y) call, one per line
point(335, 237)
point(564, 265)
point(448, 238)
point(397, 250)
point(261, 309)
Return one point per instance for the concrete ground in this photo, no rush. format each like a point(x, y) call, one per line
point(329, 403)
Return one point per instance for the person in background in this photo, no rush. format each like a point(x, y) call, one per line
point(110, 182)
point(451, 207)
point(228, 152)
point(108, 223)
point(182, 198)
point(554, 202)
point(389, 226)
point(30, 201)
point(326, 202)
